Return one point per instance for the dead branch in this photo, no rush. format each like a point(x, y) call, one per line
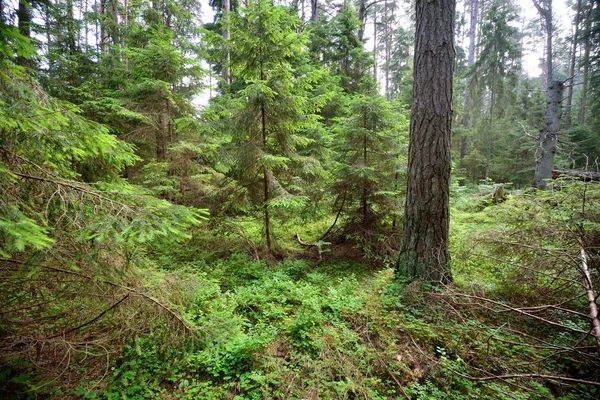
point(589, 289)
point(583, 175)
point(309, 245)
point(534, 376)
point(336, 217)
point(130, 290)
point(90, 321)
point(510, 308)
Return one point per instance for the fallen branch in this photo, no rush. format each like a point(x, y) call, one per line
point(583, 175)
point(130, 290)
point(90, 321)
point(589, 289)
point(309, 245)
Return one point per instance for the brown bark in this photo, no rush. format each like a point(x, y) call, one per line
point(424, 250)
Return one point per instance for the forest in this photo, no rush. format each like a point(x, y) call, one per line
point(284, 199)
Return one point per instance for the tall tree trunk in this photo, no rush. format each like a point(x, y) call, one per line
point(114, 11)
point(388, 51)
point(265, 181)
point(24, 15)
point(71, 33)
point(424, 249)
point(126, 36)
point(103, 29)
point(586, 66)
point(226, 35)
point(544, 157)
point(572, 68)
point(364, 183)
point(362, 17)
point(314, 10)
point(375, 45)
point(464, 140)
point(162, 133)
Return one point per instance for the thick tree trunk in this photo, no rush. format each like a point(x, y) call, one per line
point(544, 157)
point(424, 250)
point(24, 15)
point(572, 68)
point(464, 140)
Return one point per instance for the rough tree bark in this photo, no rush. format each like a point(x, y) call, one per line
point(424, 250)
point(544, 157)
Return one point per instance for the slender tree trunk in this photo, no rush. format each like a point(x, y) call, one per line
point(464, 140)
point(572, 68)
point(114, 10)
point(586, 66)
point(364, 188)
point(424, 250)
point(71, 34)
point(388, 51)
point(265, 181)
point(126, 36)
point(375, 45)
point(103, 29)
point(226, 35)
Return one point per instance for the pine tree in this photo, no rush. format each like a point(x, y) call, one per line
point(273, 107)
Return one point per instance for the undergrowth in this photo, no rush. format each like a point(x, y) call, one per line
point(300, 328)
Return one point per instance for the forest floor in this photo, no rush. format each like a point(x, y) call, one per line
point(341, 327)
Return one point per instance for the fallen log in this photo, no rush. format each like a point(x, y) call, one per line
point(583, 175)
